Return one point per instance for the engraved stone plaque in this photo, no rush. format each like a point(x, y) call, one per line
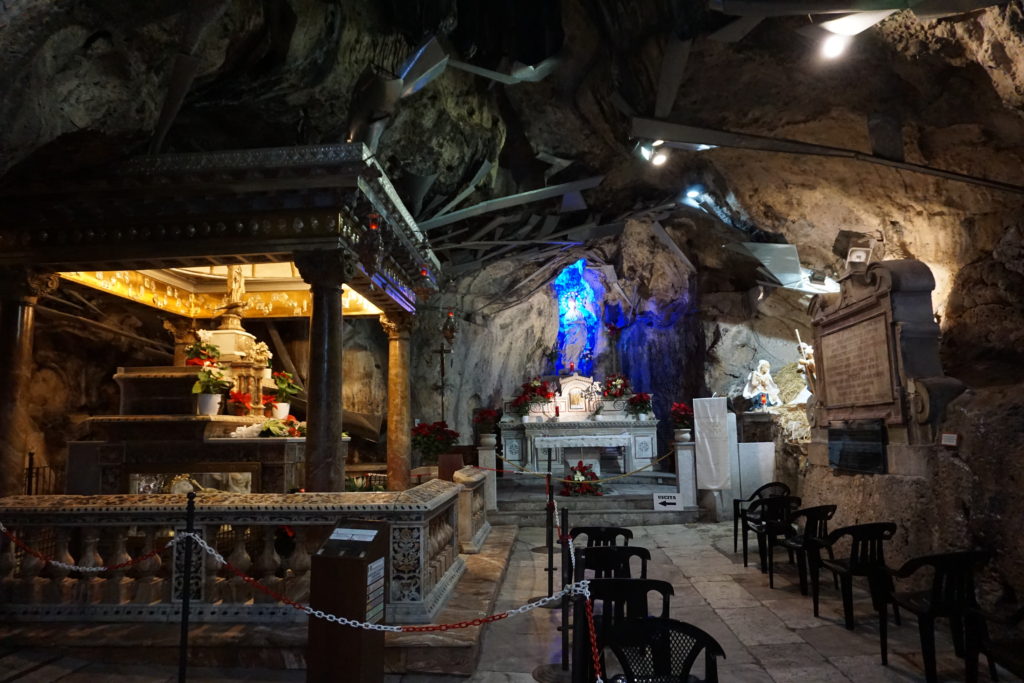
point(856, 364)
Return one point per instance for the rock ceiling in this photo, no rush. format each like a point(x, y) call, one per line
point(86, 82)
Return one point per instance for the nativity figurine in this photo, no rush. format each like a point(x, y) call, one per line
point(761, 388)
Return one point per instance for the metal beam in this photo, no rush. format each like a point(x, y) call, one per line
point(509, 201)
point(664, 130)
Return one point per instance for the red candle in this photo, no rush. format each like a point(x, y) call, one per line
point(556, 411)
point(572, 367)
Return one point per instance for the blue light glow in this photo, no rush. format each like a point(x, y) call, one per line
point(577, 319)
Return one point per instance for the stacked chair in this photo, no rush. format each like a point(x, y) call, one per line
point(649, 646)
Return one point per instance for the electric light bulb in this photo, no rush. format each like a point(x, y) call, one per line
point(659, 158)
point(834, 45)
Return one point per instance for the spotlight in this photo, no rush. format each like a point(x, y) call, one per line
point(693, 193)
point(834, 46)
point(649, 151)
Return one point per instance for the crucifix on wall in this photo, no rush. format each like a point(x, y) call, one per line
point(441, 351)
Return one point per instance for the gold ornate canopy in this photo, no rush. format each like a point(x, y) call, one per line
point(272, 290)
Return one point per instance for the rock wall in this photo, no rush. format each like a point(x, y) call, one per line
point(967, 499)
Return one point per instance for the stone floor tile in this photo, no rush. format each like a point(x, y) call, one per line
point(757, 626)
point(797, 614)
point(721, 594)
point(869, 668)
point(741, 673)
point(831, 640)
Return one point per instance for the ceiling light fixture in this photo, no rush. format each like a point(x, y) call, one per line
point(834, 46)
point(650, 152)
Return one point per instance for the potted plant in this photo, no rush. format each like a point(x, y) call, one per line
point(239, 403)
point(288, 426)
point(202, 352)
point(485, 420)
point(210, 386)
point(286, 388)
point(615, 386)
point(432, 440)
point(639, 405)
point(268, 405)
point(534, 392)
point(681, 415)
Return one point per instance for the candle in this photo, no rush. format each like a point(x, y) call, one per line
point(572, 367)
point(556, 411)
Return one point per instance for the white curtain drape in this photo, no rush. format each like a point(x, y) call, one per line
point(712, 443)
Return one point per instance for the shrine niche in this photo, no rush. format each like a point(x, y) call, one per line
point(877, 353)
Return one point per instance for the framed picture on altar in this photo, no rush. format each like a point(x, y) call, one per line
point(576, 400)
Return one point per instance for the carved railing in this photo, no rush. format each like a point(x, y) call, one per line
point(473, 524)
point(270, 537)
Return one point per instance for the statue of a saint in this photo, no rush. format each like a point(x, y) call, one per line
point(806, 364)
point(761, 388)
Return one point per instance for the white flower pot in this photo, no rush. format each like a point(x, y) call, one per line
point(208, 404)
point(682, 435)
point(642, 417)
point(488, 440)
point(281, 410)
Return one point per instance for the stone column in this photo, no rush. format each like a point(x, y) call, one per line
point(399, 400)
point(20, 288)
point(325, 271)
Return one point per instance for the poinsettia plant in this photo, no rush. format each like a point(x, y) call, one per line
point(582, 481)
point(286, 427)
point(534, 391)
point(616, 385)
point(638, 404)
point(681, 415)
point(286, 386)
point(432, 439)
point(202, 352)
point(240, 401)
point(485, 419)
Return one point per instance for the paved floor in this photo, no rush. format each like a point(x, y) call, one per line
point(768, 635)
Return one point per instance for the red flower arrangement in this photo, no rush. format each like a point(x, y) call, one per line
point(638, 404)
point(485, 420)
point(582, 481)
point(433, 438)
point(616, 385)
point(201, 353)
point(240, 403)
point(681, 415)
point(613, 330)
point(534, 391)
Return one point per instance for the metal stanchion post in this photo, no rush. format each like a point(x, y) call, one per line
point(551, 537)
point(186, 586)
point(567, 578)
point(30, 472)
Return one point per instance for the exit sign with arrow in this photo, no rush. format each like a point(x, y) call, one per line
point(667, 501)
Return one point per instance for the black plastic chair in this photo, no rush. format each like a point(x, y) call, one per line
point(739, 506)
point(602, 535)
point(611, 562)
point(615, 601)
point(951, 595)
point(767, 516)
point(1007, 652)
point(866, 558)
point(663, 651)
point(803, 542)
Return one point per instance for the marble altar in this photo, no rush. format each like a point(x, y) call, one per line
point(579, 416)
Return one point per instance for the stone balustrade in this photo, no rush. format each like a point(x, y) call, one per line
point(473, 524)
point(270, 537)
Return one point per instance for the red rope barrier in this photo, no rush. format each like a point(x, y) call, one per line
point(593, 639)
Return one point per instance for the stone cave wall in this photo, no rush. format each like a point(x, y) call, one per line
point(503, 337)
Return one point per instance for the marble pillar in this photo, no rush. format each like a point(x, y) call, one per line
point(397, 327)
point(184, 333)
point(325, 271)
point(20, 288)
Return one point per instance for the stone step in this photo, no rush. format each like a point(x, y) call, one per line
point(599, 517)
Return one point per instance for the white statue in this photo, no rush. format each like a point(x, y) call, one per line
point(761, 387)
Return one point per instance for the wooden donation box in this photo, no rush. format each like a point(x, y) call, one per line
point(581, 418)
point(348, 578)
point(878, 375)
